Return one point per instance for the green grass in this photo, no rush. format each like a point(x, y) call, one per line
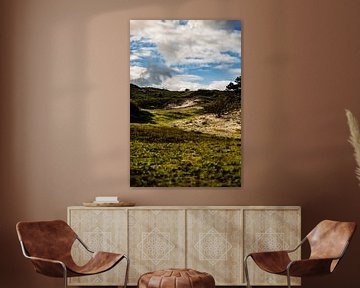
point(154, 98)
point(165, 156)
point(164, 116)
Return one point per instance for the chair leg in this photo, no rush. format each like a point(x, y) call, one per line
point(65, 276)
point(288, 278)
point(127, 271)
point(246, 270)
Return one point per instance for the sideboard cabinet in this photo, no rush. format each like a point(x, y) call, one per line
point(212, 239)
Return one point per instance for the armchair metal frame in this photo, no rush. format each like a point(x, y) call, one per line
point(65, 268)
point(315, 263)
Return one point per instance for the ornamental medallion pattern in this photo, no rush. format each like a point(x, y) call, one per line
point(156, 246)
point(99, 240)
point(213, 246)
point(270, 241)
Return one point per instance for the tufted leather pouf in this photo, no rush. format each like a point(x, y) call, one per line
point(176, 278)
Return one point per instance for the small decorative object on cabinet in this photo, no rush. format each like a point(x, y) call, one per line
point(109, 204)
point(211, 239)
point(108, 201)
point(328, 242)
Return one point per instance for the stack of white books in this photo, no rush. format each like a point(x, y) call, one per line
point(106, 199)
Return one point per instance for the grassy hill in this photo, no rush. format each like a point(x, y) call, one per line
point(179, 138)
point(155, 98)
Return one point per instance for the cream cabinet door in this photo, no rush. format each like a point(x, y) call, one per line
point(214, 244)
point(270, 230)
point(156, 240)
point(101, 230)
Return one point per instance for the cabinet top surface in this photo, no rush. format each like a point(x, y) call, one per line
point(192, 207)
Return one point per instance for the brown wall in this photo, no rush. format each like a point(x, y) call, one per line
point(64, 114)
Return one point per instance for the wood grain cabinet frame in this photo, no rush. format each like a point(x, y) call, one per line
point(210, 239)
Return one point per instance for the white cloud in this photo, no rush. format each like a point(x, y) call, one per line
point(236, 71)
point(218, 85)
point(152, 75)
point(191, 82)
point(168, 49)
point(199, 42)
point(142, 52)
point(134, 57)
point(137, 72)
point(181, 82)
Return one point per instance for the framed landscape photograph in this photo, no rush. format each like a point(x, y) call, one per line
point(185, 103)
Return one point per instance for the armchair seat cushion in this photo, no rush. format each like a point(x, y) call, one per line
point(99, 262)
point(272, 262)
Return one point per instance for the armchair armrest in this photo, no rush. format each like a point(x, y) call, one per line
point(279, 252)
point(309, 267)
point(298, 246)
point(49, 267)
point(314, 266)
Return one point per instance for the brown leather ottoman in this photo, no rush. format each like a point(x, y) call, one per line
point(176, 278)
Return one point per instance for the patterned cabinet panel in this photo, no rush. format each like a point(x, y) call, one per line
point(101, 230)
point(156, 240)
point(214, 244)
point(269, 230)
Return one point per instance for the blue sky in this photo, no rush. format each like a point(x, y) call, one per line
point(185, 54)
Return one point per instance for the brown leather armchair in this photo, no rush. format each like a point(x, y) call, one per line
point(48, 245)
point(328, 242)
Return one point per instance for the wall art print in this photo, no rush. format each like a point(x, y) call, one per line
point(185, 103)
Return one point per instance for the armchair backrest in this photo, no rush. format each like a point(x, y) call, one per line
point(329, 239)
point(46, 239)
